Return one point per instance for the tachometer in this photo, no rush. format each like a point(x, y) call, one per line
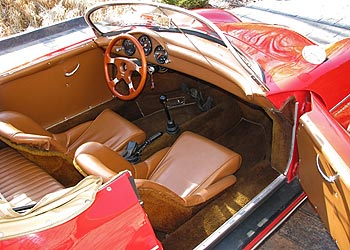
point(129, 47)
point(146, 44)
point(161, 55)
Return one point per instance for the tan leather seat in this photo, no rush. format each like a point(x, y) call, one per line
point(25, 135)
point(22, 182)
point(175, 181)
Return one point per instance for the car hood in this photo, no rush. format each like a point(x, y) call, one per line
point(277, 49)
point(281, 54)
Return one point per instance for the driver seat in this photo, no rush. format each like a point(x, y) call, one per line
point(55, 152)
point(174, 182)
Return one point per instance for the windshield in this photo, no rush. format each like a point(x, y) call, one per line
point(114, 18)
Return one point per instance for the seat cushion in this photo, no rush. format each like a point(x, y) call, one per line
point(194, 163)
point(22, 181)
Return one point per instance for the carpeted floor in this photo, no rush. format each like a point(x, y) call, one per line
point(254, 175)
point(225, 123)
point(239, 126)
point(250, 182)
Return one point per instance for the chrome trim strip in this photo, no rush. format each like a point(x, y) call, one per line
point(340, 103)
point(279, 223)
point(243, 213)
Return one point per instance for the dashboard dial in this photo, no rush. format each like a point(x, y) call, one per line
point(129, 47)
point(161, 55)
point(146, 44)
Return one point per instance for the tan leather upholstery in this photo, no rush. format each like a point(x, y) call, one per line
point(108, 128)
point(23, 182)
point(174, 181)
point(55, 152)
point(96, 159)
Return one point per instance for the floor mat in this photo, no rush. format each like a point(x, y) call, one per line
point(249, 139)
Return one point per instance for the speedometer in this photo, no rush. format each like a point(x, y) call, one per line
point(129, 47)
point(146, 44)
point(161, 55)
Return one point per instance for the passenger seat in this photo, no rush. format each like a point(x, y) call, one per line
point(21, 181)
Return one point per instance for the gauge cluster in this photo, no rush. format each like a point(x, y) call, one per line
point(159, 53)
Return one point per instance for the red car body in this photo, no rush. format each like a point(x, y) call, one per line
point(278, 50)
point(116, 211)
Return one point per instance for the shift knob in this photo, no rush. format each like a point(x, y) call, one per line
point(171, 127)
point(163, 99)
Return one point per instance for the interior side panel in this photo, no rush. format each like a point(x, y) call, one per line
point(324, 171)
point(59, 89)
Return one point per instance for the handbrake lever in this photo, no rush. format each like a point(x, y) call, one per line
point(133, 150)
point(148, 141)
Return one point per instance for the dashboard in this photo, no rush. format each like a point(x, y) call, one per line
point(159, 53)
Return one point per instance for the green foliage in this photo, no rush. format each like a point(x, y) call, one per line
point(188, 4)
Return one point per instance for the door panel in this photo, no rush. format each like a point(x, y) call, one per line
point(324, 170)
point(58, 88)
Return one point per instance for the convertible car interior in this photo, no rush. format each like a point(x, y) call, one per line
point(219, 159)
point(198, 146)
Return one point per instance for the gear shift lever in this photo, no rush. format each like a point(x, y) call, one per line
point(171, 127)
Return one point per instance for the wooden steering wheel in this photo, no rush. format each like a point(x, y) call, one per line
point(125, 67)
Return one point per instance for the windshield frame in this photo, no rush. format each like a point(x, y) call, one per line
point(221, 38)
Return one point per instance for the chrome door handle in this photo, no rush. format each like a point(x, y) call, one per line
point(330, 179)
point(68, 74)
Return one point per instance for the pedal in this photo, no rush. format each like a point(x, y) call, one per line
point(176, 102)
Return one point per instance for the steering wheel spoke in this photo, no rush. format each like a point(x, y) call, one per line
point(115, 81)
point(125, 68)
point(131, 87)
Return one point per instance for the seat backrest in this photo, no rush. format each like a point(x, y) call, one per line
point(18, 129)
point(110, 129)
point(194, 163)
point(23, 123)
